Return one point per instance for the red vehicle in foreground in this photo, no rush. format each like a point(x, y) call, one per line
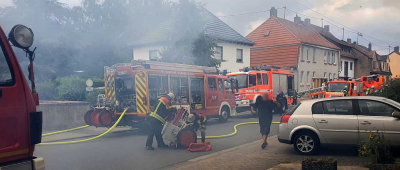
point(252, 83)
point(20, 123)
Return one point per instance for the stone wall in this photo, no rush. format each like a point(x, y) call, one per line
point(60, 115)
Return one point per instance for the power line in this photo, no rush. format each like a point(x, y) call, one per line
point(336, 21)
point(243, 14)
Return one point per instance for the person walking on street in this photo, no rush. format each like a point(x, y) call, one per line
point(264, 105)
point(281, 98)
point(157, 119)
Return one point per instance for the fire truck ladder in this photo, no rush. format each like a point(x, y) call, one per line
point(310, 91)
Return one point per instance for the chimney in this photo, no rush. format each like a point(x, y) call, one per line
point(297, 19)
point(273, 12)
point(354, 42)
point(348, 40)
point(326, 27)
point(396, 49)
point(308, 21)
point(369, 46)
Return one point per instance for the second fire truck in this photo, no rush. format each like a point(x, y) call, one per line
point(253, 82)
point(356, 87)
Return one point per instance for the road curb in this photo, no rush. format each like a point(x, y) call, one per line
point(200, 158)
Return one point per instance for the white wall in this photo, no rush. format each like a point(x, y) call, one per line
point(319, 66)
point(142, 53)
point(351, 72)
point(229, 57)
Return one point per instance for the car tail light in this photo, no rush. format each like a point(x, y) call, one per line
point(285, 118)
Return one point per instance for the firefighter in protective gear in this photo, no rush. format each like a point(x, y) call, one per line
point(199, 123)
point(345, 92)
point(156, 120)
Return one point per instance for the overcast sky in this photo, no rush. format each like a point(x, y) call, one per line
point(377, 20)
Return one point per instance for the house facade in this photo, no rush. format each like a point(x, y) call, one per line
point(232, 48)
point(291, 44)
point(394, 58)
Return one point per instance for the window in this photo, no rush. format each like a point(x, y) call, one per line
point(313, 58)
point(6, 77)
point(313, 74)
point(307, 54)
point(212, 84)
point(219, 53)
point(153, 55)
point(220, 86)
point(375, 108)
point(351, 65)
point(341, 65)
point(259, 80)
point(308, 77)
point(301, 77)
point(228, 85)
point(317, 108)
point(334, 75)
point(329, 57)
point(330, 76)
point(325, 57)
point(338, 107)
point(333, 58)
point(265, 78)
point(239, 55)
point(252, 80)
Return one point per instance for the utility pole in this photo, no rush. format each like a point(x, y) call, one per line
point(343, 34)
point(358, 34)
point(284, 12)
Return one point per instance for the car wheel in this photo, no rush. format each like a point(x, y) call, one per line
point(224, 115)
point(306, 143)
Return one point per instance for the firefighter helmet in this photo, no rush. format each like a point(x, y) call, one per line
point(191, 117)
point(171, 95)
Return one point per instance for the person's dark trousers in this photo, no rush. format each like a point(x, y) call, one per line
point(154, 132)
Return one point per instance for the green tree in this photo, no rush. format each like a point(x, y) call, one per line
point(391, 91)
point(71, 88)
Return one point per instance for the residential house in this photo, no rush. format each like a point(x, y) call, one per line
point(232, 48)
point(292, 44)
point(384, 66)
point(394, 64)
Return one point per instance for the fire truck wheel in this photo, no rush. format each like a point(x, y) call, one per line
point(105, 118)
point(87, 117)
point(185, 137)
point(223, 117)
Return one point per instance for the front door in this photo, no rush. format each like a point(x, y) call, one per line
point(212, 96)
point(376, 115)
point(335, 121)
point(14, 136)
point(346, 69)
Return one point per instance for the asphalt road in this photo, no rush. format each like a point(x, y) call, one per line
point(126, 150)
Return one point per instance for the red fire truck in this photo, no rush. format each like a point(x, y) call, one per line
point(257, 80)
point(20, 123)
point(357, 87)
point(138, 85)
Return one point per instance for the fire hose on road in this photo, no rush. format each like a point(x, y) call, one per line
point(116, 123)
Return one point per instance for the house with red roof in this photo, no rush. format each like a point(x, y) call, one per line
point(292, 44)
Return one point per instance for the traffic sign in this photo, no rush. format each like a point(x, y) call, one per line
point(89, 83)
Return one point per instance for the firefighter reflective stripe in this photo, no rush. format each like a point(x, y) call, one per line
point(158, 117)
point(110, 88)
point(166, 103)
point(141, 92)
point(155, 115)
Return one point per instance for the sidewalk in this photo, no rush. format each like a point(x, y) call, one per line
point(251, 156)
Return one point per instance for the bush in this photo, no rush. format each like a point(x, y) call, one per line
point(46, 90)
point(97, 82)
point(92, 96)
point(376, 149)
point(391, 91)
point(71, 88)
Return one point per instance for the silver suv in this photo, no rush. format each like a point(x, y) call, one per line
point(338, 121)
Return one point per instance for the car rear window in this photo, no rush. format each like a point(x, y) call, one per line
point(291, 111)
point(317, 108)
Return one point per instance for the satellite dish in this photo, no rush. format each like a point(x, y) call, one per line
point(21, 36)
point(89, 83)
